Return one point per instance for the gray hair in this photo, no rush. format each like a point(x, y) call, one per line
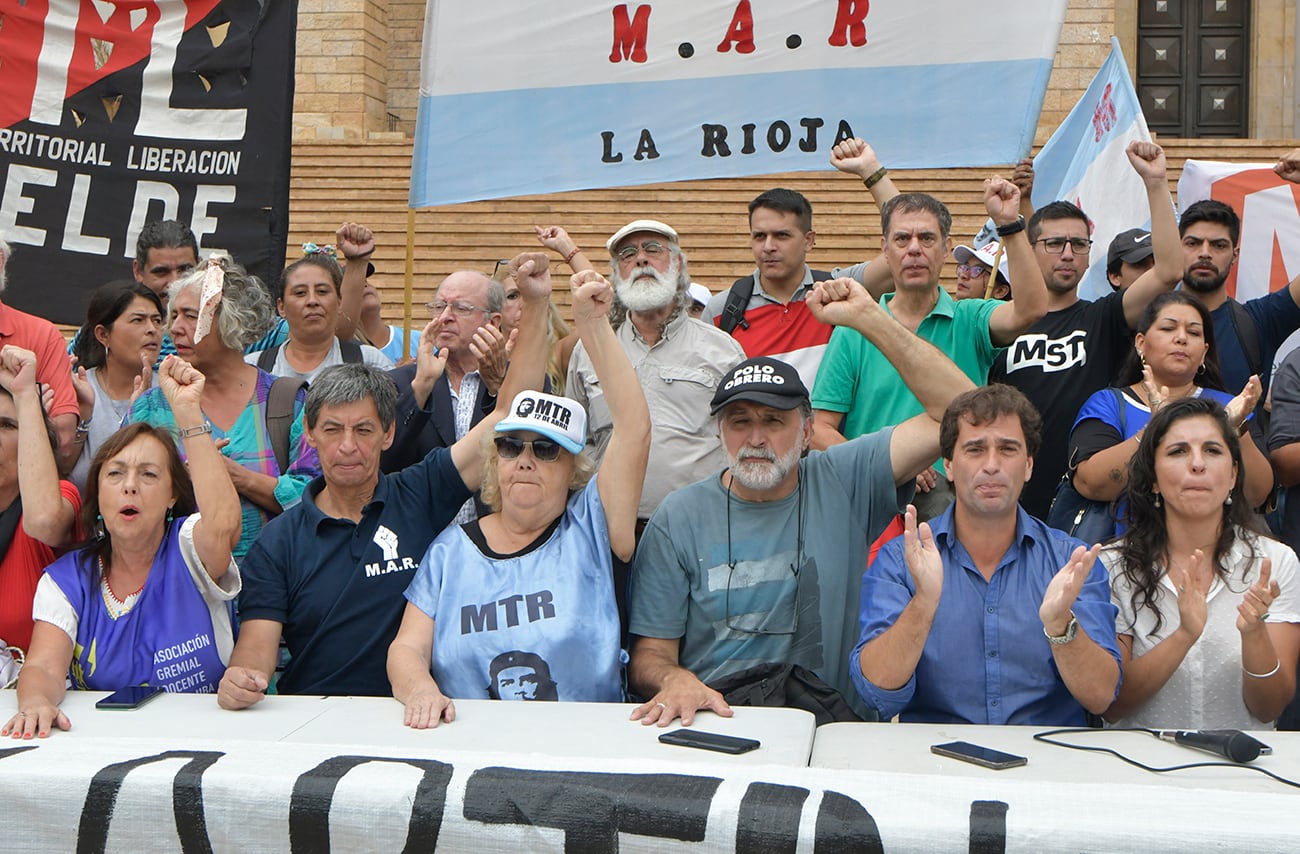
point(4, 259)
point(348, 383)
point(245, 312)
point(496, 297)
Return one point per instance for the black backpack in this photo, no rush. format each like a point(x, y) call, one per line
point(742, 290)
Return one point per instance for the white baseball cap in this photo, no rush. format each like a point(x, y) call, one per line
point(985, 255)
point(653, 226)
point(557, 418)
point(699, 293)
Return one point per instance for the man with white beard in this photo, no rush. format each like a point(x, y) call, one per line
point(760, 567)
point(678, 359)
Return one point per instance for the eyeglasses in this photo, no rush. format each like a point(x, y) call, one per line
point(462, 309)
point(975, 271)
point(1056, 245)
point(544, 450)
point(651, 248)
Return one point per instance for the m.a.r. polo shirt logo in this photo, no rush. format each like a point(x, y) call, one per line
point(755, 374)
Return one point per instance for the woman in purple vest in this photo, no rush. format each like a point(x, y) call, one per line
point(147, 600)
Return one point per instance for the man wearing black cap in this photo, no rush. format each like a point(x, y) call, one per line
point(763, 563)
point(1130, 255)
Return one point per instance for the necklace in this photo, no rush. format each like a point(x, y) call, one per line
point(116, 607)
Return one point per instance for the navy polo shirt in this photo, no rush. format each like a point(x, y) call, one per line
point(337, 586)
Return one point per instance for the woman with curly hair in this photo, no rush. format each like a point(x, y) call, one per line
point(1209, 616)
point(214, 312)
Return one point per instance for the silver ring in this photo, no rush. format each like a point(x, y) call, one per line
point(661, 705)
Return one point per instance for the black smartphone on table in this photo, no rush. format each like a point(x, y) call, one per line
point(130, 697)
point(709, 741)
point(985, 757)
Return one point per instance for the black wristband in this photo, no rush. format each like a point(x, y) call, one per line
point(1012, 227)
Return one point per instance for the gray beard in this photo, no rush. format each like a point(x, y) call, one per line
point(761, 476)
point(648, 289)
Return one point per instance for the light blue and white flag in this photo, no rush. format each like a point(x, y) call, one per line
point(529, 98)
point(1084, 162)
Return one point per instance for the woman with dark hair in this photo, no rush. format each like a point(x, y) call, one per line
point(310, 300)
point(1173, 357)
point(546, 548)
point(214, 312)
point(147, 600)
point(115, 358)
point(1209, 611)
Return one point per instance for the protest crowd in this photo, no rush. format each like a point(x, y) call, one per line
point(1002, 505)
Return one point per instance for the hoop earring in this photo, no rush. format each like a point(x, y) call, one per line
point(1201, 369)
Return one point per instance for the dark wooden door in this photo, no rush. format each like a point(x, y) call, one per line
point(1192, 66)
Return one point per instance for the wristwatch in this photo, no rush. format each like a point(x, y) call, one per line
point(1071, 629)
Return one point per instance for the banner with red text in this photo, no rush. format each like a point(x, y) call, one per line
point(1269, 208)
point(113, 114)
point(540, 98)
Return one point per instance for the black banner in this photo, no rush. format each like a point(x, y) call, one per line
point(115, 114)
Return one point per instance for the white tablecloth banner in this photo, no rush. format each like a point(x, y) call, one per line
point(134, 795)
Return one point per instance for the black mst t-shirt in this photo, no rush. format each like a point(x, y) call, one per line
point(1058, 364)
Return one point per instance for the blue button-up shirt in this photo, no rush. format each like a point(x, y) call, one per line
point(986, 660)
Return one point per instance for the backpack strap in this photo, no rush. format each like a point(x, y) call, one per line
point(350, 351)
point(279, 417)
point(742, 290)
point(1244, 325)
point(266, 358)
point(733, 312)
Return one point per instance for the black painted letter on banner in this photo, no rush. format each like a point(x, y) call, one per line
point(845, 827)
point(591, 808)
point(187, 800)
point(988, 827)
point(313, 793)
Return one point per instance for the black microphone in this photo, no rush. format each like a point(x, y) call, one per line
point(1229, 743)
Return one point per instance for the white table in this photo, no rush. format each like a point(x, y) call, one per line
point(594, 730)
point(304, 773)
point(1074, 800)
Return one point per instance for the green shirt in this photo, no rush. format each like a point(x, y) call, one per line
point(855, 378)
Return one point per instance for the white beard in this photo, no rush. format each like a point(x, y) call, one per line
point(761, 469)
point(648, 289)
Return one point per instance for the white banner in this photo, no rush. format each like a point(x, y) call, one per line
point(542, 98)
point(202, 795)
point(1084, 162)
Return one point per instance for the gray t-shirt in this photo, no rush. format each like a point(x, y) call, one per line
point(371, 356)
point(104, 422)
point(802, 599)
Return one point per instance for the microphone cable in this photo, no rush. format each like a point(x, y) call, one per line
point(1046, 738)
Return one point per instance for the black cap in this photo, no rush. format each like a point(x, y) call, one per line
point(1129, 247)
point(764, 380)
